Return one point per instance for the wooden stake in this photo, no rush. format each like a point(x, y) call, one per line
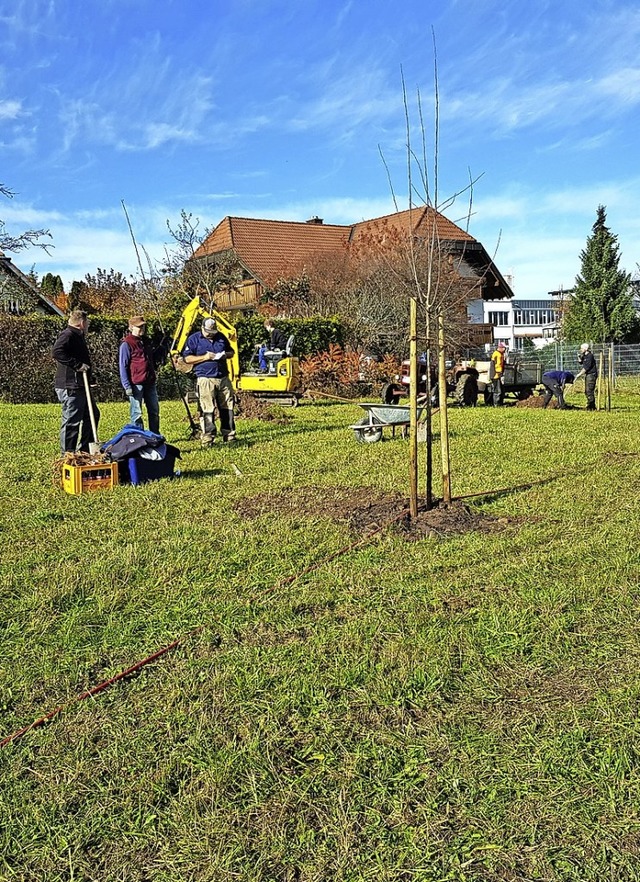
point(444, 418)
point(413, 408)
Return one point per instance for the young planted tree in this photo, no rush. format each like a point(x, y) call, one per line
point(437, 289)
point(601, 307)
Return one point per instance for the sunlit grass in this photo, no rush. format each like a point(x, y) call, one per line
point(458, 708)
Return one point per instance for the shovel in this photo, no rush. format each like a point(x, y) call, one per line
point(94, 447)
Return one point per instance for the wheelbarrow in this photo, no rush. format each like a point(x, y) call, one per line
point(380, 416)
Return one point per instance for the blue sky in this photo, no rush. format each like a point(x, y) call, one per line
point(274, 109)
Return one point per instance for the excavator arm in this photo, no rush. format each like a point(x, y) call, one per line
point(192, 317)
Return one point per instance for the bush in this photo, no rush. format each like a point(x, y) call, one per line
point(27, 367)
point(310, 335)
point(346, 374)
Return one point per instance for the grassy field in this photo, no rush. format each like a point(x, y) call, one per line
point(462, 707)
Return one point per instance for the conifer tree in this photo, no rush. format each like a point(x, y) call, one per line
point(601, 308)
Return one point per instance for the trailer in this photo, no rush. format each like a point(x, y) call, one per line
point(519, 380)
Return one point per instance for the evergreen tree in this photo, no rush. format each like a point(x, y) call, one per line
point(601, 308)
point(51, 286)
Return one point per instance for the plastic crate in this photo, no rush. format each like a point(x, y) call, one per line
point(142, 470)
point(78, 479)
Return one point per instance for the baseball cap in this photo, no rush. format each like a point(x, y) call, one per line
point(209, 324)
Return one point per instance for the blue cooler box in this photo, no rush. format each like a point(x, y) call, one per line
point(143, 470)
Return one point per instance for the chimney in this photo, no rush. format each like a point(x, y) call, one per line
point(314, 220)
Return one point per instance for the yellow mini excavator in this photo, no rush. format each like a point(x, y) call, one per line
point(279, 383)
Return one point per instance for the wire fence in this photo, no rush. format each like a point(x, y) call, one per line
point(624, 358)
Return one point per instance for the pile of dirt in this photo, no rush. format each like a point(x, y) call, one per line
point(366, 511)
point(538, 401)
point(535, 401)
point(454, 518)
point(252, 408)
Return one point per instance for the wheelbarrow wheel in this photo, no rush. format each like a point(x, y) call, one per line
point(368, 434)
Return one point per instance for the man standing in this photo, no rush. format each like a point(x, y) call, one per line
point(554, 382)
point(589, 371)
point(72, 354)
point(208, 350)
point(498, 358)
point(137, 361)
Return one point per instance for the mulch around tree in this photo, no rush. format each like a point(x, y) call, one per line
point(366, 511)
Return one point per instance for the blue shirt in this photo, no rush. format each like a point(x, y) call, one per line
point(198, 344)
point(561, 377)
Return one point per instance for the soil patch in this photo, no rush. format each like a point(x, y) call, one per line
point(538, 401)
point(366, 511)
point(252, 408)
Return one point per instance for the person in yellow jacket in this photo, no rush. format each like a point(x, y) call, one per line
point(498, 358)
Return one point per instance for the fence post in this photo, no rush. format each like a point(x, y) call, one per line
point(613, 365)
point(601, 379)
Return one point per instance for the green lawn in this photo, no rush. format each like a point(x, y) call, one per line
point(463, 707)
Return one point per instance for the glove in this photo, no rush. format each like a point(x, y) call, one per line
point(84, 368)
point(128, 393)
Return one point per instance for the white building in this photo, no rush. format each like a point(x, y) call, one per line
point(515, 321)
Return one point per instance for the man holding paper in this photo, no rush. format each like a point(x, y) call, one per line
point(208, 350)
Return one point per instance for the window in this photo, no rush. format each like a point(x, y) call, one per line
point(533, 317)
point(499, 318)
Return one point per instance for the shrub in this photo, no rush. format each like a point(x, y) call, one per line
point(346, 374)
point(27, 368)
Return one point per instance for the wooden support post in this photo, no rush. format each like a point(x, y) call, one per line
point(444, 418)
point(413, 408)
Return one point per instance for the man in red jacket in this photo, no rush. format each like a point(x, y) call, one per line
point(137, 363)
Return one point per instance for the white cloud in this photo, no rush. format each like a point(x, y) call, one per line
point(10, 109)
point(623, 85)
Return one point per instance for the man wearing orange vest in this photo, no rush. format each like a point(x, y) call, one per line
point(498, 358)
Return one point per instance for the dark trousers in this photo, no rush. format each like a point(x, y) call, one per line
point(590, 390)
point(497, 391)
point(76, 421)
point(553, 388)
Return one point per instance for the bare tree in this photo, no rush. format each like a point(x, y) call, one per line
point(183, 276)
point(28, 239)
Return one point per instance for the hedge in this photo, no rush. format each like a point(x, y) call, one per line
point(27, 368)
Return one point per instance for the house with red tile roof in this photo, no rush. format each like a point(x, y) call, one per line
point(19, 295)
point(271, 250)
